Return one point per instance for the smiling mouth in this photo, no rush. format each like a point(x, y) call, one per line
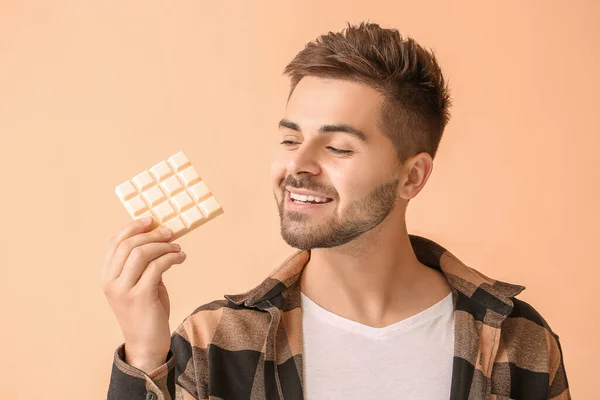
point(307, 200)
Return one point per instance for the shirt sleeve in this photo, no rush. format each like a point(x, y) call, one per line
point(559, 385)
point(164, 383)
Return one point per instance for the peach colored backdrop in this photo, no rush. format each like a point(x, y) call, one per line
point(92, 92)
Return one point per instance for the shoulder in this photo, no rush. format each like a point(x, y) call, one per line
point(529, 340)
point(526, 317)
point(226, 325)
point(530, 353)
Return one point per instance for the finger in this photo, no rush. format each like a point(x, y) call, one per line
point(139, 259)
point(126, 246)
point(153, 273)
point(135, 227)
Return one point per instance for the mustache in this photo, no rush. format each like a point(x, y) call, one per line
point(305, 182)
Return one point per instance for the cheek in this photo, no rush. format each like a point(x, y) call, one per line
point(351, 181)
point(277, 172)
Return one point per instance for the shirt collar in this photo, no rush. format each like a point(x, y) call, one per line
point(489, 293)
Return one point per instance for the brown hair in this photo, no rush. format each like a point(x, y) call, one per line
point(414, 112)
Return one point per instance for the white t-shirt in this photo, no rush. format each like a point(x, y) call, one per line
point(410, 359)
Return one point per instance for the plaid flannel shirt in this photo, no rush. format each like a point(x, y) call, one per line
point(249, 345)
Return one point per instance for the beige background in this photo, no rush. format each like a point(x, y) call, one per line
point(92, 92)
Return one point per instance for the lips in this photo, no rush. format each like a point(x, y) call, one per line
point(292, 205)
point(307, 192)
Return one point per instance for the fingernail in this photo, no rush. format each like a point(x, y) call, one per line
point(176, 246)
point(165, 231)
point(146, 220)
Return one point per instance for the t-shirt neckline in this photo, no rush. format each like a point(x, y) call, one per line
point(442, 307)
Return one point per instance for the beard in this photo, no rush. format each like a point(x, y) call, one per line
point(301, 232)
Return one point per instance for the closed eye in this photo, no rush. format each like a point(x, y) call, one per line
point(288, 142)
point(339, 151)
point(333, 149)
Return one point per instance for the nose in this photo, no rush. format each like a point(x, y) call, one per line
point(303, 161)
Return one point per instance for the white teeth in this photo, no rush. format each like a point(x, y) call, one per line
point(304, 198)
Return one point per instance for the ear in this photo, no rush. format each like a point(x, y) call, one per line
point(416, 173)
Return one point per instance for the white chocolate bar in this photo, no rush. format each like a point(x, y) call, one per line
point(171, 192)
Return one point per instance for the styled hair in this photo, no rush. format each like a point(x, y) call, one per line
point(414, 111)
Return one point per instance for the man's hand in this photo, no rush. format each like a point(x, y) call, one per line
point(131, 279)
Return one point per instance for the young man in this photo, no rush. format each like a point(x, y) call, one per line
point(363, 309)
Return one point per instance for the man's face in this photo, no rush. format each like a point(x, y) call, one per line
point(356, 188)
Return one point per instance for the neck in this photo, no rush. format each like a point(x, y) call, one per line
point(376, 279)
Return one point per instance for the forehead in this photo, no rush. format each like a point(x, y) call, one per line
point(316, 101)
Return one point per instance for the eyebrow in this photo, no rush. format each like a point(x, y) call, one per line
point(344, 128)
